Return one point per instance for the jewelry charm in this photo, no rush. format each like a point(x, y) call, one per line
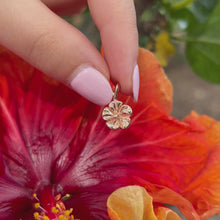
point(117, 115)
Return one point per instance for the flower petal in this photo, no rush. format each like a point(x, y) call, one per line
point(155, 87)
point(165, 195)
point(37, 118)
point(131, 202)
point(15, 68)
point(204, 191)
point(158, 149)
point(14, 199)
point(164, 213)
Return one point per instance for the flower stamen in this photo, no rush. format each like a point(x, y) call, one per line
point(37, 205)
point(58, 211)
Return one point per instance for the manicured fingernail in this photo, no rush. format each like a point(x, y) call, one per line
point(92, 85)
point(136, 83)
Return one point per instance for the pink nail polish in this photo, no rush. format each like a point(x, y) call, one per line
point(136, 83)
point(92, 85)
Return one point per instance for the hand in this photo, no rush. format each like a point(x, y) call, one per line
point(32, 30)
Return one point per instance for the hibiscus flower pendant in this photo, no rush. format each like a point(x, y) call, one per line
point(117, 115)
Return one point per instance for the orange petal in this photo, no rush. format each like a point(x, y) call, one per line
point(207, 124)
point(154, 84)
point(204, 190)
point(130, 202)
point(155, 87)
point(165, 195)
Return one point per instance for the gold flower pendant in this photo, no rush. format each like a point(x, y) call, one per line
point(117, 115)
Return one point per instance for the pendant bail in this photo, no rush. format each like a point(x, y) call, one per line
point(115, 95)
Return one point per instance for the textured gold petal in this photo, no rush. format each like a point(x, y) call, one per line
point(115, 105)
point(125, 122)
point(107, 113)
point(126, 109)
point(113, 124)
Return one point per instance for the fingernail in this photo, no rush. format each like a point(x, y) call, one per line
point(136, 83)
point(92, 85)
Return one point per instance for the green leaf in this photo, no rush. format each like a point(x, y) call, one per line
point(203, 48)
point(183, 19)
point(202, 9)
point(198, 13)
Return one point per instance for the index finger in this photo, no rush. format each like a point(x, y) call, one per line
point(116, 21)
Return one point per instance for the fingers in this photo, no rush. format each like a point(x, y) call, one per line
point(116, 21)
point(35, 33)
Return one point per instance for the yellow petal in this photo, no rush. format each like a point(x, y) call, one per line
point(130, 203)
point(164, 213)
point(134, 203)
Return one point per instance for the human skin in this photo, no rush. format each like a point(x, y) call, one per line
point(33, 30)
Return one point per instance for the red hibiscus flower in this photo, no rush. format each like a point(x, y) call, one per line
point(60, 161)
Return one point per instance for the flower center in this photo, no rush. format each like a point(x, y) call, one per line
point(54, 210)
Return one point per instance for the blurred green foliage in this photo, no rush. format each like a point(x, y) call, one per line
point(203, 44)
point(194, 22)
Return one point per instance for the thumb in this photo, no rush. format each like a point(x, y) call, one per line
point(54, 47)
